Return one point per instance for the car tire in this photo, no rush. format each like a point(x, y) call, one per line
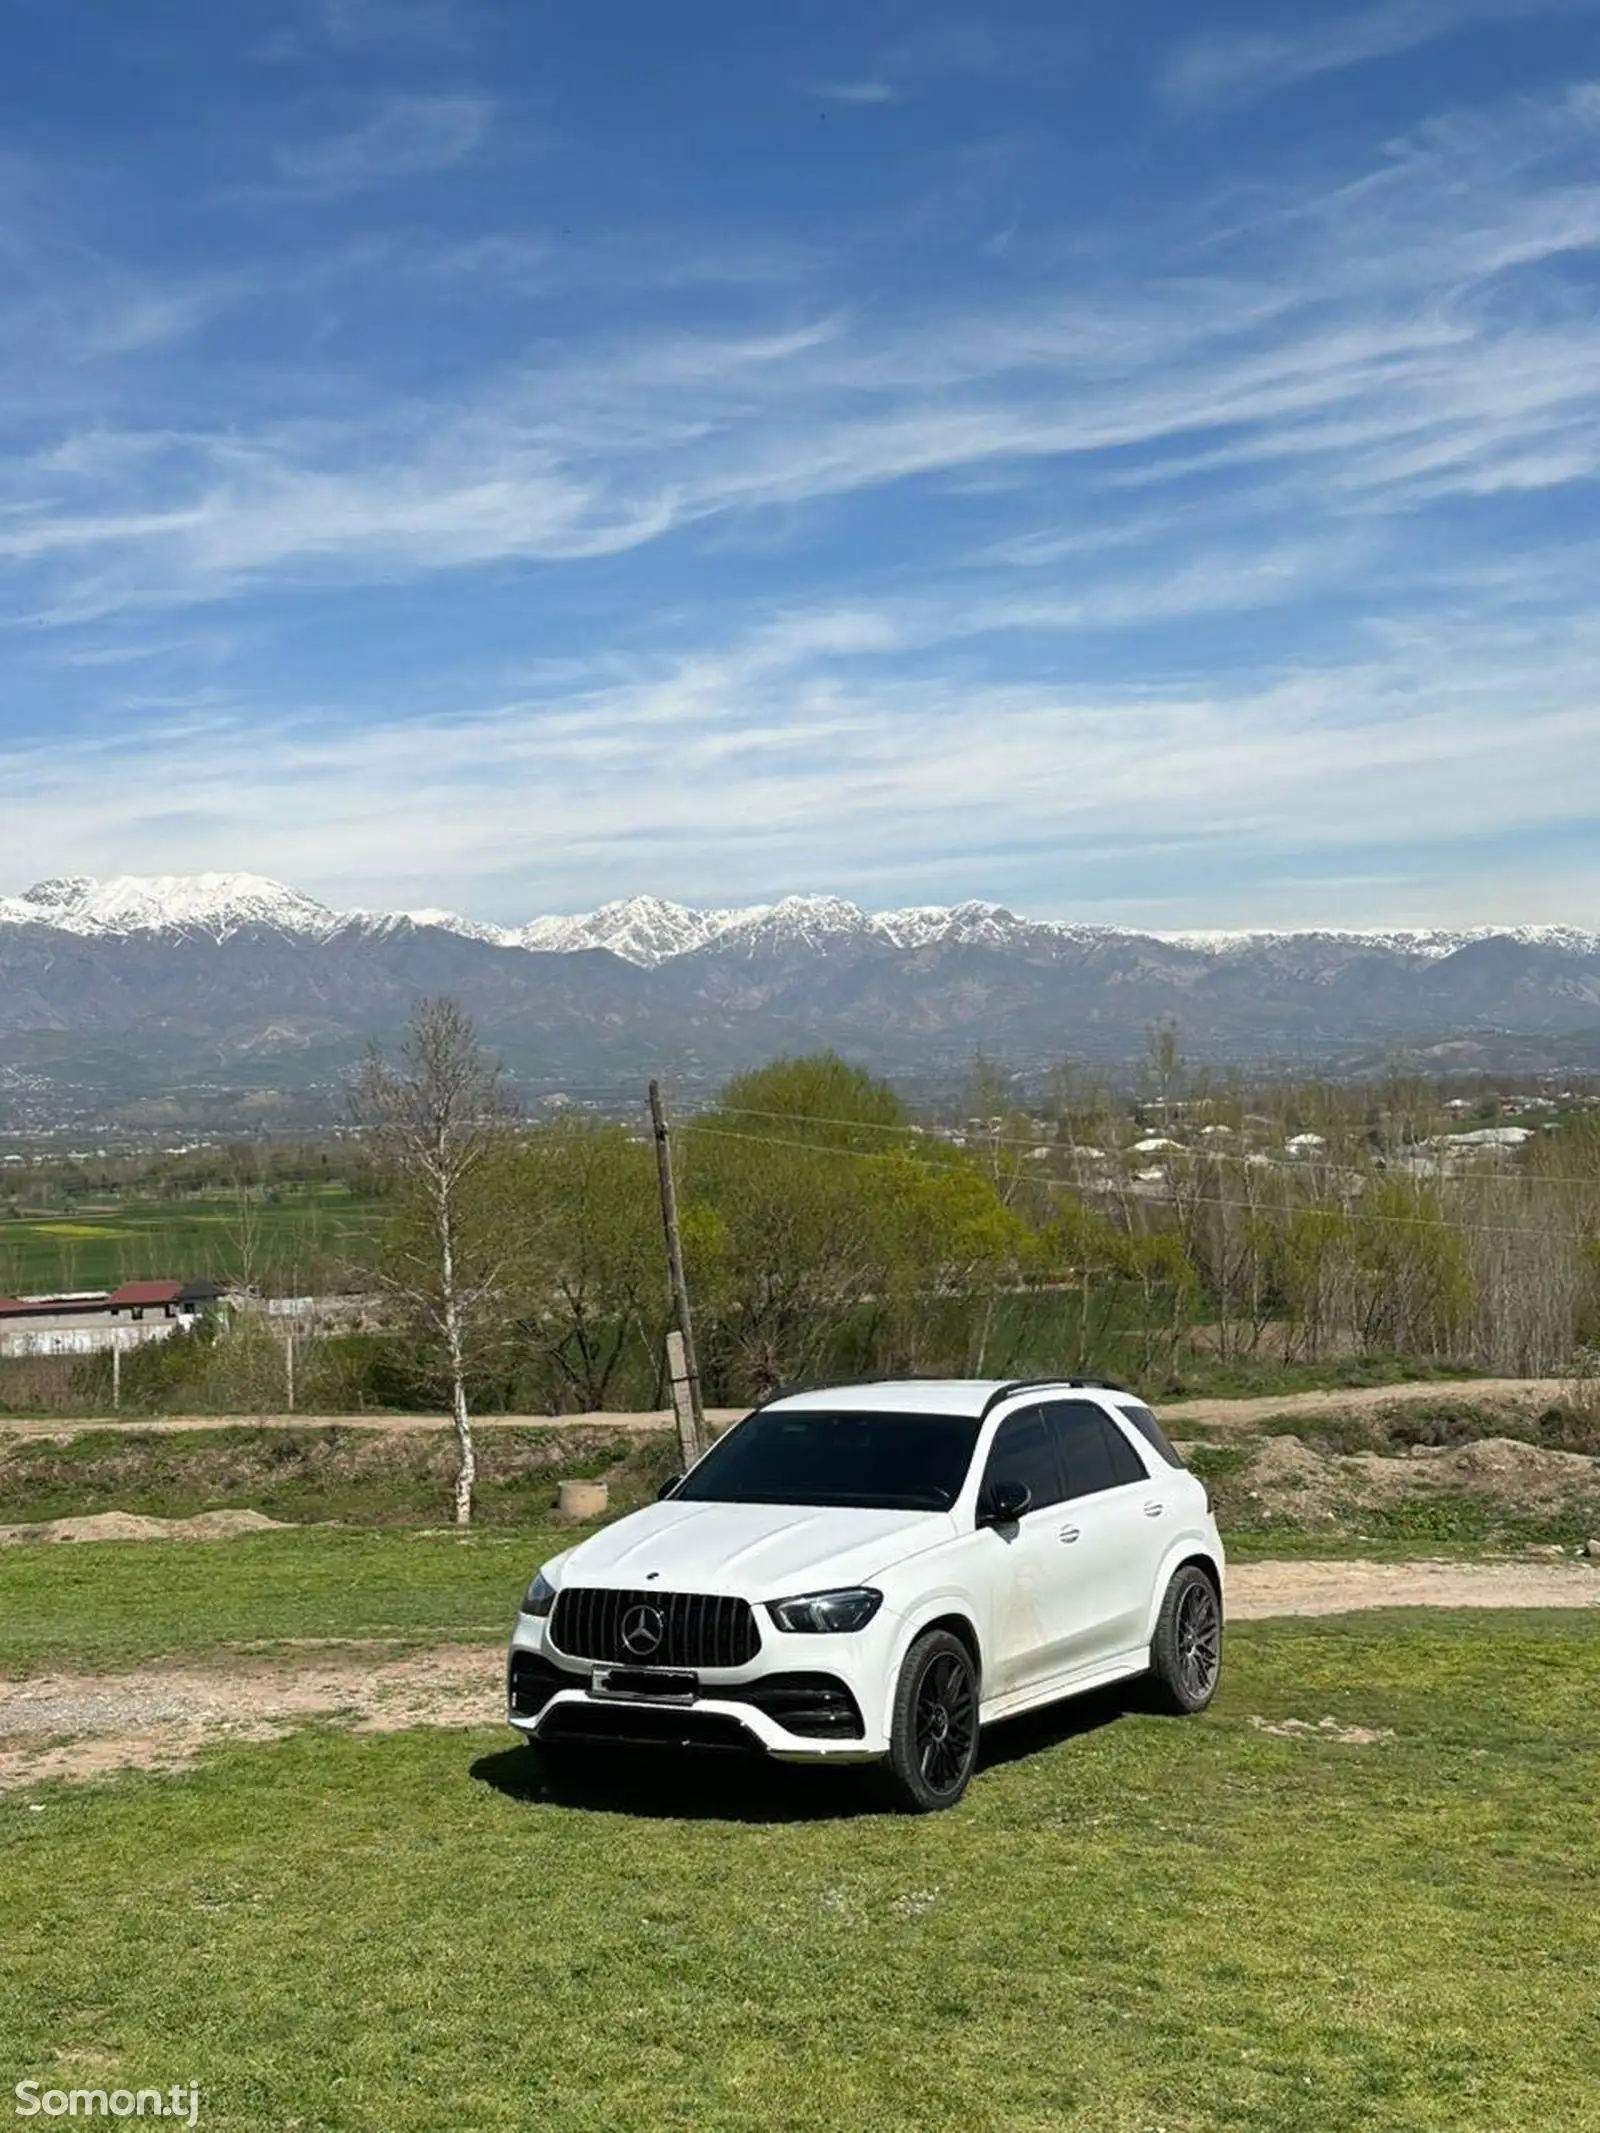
point(1186, 1650)
point(933, 1731)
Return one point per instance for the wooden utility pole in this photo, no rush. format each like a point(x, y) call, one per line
point(690, 1372)
point(689, 1438)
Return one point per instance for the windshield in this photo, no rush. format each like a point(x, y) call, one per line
point(817, 1456)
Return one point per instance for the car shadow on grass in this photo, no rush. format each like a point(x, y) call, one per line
point(749, 1788)
point(684, 1787)
point(1016, 1740)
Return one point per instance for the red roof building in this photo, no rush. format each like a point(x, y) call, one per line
point(141, 1295)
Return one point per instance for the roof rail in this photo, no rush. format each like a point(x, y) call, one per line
point(863, 1377)
point(1007, 1391)
point(1013, 1386)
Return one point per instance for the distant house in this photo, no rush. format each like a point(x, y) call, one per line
point(142, 1298)
point(1492, 1137)
point(92, 1322)
point(166, 1299)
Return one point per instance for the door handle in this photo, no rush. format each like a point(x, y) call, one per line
point(1154, 1510)
point(1068, 1533)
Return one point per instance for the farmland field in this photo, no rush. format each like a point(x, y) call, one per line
point(1131, 1924)
point(97, 1245)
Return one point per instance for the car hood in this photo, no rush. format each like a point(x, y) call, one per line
point(757, 1550)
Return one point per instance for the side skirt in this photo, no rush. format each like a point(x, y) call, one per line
point(1125, 1667)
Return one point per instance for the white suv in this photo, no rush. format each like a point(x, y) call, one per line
point(871, 1573)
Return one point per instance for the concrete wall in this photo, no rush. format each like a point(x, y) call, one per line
point(87, 1336)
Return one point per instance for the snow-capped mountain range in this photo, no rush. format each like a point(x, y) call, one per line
point(648, 931)
point(137, 987)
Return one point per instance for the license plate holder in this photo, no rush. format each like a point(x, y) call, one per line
point(645, 1684)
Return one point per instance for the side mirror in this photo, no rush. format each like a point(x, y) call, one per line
point(669, 1487)
point(1005, 1503)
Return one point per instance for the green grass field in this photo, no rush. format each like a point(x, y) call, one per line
point(1132, 1925)
point(110, 1605)
point(92, 1246)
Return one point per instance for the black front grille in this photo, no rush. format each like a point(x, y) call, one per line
point(533, 1681)
point(697, 1629)
point(817, 1705)
point(640, 1725)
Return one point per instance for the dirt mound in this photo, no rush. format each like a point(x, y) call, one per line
point(363, 1477)
point(1287, 1463)
point(1289, 1481)
point(1517, 1477)
point(133, 1526)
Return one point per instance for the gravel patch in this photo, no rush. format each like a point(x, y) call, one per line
point(160, 1717)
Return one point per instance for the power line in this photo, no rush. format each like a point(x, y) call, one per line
point(1295, 1166)
point(1244, 1207)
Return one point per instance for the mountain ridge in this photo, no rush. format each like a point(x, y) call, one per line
point(648, 930)
point(131, 989)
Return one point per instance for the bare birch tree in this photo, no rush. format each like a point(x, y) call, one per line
point(436, 1120)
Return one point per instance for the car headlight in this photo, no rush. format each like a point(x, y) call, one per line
point(540, 1596)
point(815, 1613)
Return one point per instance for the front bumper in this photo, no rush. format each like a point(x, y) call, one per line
point(549, 1697)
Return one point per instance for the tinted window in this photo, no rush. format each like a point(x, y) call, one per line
point(1023, 1451)
point(819, 1456)
point(1094, 1452)
point(1151, 1431)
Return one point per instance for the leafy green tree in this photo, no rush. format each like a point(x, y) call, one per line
point(820, 1099)
point(781, 1243)
point(948, 1237)
point(593, 1274)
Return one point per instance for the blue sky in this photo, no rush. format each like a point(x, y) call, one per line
point(1130, 462)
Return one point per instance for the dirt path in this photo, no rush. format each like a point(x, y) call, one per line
point(62, 1431)
point(159, 1717)
point(1482, 1392)
point(1507, 1393)
point(1259, 1590)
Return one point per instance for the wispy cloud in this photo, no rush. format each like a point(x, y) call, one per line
point(406, 27)
point(1234, 67)
point(1219, 544)
point(786, 758)
point(1356, 353)
point(855, 92)
point(407, 137)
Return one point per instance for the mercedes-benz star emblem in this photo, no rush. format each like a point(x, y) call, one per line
point(643, 1629)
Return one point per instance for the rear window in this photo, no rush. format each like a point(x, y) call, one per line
point(1151, 1431)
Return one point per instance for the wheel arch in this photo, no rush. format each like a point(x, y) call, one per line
point(939, 1611)
point(964, 1630)
point(1186, 1554)
point(1197, 1559)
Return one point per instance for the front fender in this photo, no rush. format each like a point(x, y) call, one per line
point(928, 1608)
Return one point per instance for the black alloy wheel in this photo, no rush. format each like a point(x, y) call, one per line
point(934, 1734)
point(1186, 1650)
point(1199, 1640)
